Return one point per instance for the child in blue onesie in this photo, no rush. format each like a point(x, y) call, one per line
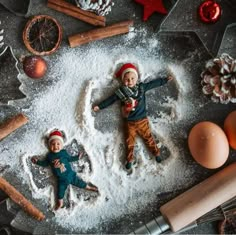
point(59, 160)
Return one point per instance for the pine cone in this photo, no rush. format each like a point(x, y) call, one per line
point(1, 37)
point(100, 7)
point(219, 79)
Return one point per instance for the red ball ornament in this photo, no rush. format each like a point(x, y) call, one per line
point(34, 66)
point(209, 11)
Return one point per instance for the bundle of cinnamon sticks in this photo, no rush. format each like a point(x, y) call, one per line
point(71, 10)
point(91, 18)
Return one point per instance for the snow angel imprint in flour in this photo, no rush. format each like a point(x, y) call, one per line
point(132, 96)
point(59, 160)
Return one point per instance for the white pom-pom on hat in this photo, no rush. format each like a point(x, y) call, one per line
point(125, 69)
point(56, 134)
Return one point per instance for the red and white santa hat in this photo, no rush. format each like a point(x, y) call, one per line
point(125, 69)
point(56, 134)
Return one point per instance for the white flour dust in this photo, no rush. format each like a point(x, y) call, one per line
point(80, 77)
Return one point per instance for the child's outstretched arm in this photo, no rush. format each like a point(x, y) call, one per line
point(159, 81)
point(155, 83)
point(36, 161)
point(107, 102)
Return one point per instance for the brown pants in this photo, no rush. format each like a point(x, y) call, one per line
point(140, 127)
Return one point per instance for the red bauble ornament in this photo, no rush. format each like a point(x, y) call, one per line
point(209, 11)
point(34, 66)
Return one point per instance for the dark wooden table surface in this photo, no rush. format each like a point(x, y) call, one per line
point(183, 42)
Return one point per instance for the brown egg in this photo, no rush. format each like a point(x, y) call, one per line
point(230, 129)
point(208, 145)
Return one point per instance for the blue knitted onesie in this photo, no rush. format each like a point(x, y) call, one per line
point(61, 168)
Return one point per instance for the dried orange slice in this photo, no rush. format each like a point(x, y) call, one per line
point(42, 35)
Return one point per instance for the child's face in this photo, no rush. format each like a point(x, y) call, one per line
point(130, 79)
point(55, 146)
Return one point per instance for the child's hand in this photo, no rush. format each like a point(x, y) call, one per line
point(96, 108)
point(170, 77)
point(34, 160)
point(81, 154)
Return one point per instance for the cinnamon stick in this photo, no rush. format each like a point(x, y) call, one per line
point(97, 34)
point(12, 124)
point(18, 198)
point(71, 10)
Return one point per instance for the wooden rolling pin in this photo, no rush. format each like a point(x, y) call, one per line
point(12, 124)
point(186, 208)
point(200, 199)
point(18, 198)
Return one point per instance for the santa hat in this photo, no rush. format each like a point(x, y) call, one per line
point(56, 134)
point(125, 69)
